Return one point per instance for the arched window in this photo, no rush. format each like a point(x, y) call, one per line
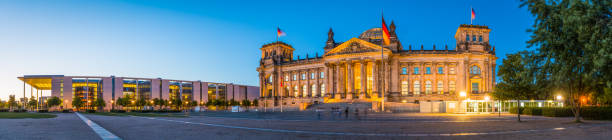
point(404, 70)
point(440, 87)
point(304, 91)
point(451, 86)
point(312, 75)
point(322, 89)
point(480, 38)
point(427, 87)
point(286, 77)
point(314, 90)
point(473, 37)
point(474, 70)
point(404, 88)
point(295, 91)
point(416, 87)
point(467, 37)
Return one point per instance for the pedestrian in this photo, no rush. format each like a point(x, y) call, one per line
point(346, 111)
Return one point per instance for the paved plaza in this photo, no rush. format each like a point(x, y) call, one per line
point(308, 125)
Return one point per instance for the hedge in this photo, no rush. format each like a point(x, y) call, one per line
point(4, 110)
point(66, 111)
point(117, 111)
point(587, 113)
point(596, 113)
point(43, 111)
point(91, 111)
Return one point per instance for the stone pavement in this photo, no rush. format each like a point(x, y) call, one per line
point(66, 126)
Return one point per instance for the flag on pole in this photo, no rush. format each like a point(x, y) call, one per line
point(385, 33)
point(473, 14)
point(279, 32)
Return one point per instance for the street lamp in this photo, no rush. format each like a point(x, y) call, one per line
point(486, 98)
point(462, 94)
point(559, 97)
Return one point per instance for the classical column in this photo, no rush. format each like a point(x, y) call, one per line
point(375, 82)
point(422, 77)
point(337, 80)
point(327, 79)
point(434, 84)
point(446, 80)
point(308, 82)
point(364, 79)
point(350, 78)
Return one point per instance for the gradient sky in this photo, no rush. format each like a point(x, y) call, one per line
point(218, 40)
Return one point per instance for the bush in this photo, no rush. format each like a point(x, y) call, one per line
point(557, 112)
point(512, 110)
point(167, 111)
point(142, 111)
point(596, 113)
point(117, 111)
point(4, 110)
point(66, 111)
point(532, 111)
point(20, 110)
point(43, 111)
point(91, 111)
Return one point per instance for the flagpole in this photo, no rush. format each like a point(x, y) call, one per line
point(382, 73)
point(471, 19)
point(281, 71)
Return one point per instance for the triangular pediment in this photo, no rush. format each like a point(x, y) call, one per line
point(355, 45)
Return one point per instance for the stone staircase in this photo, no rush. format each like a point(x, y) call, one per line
point(341, 105)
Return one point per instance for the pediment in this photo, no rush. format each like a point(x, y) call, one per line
point(355, 45)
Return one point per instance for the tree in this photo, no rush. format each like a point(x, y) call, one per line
point(54, 101)
point(77, 102)
point(246, 103)
point(574, 38)
point(140, 103)
point(32, 103)
point(158, 102)
point(176, 102)
point(255, 102)
point(99, 103)
point(12, 102)
point(518, 79)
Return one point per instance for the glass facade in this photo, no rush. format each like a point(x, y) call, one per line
point(187, 91)
point(87, 89)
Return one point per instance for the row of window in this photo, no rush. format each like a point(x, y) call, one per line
point(427, 70)
point(312, 76)
point(304, 89)
point(416, 87)
point(467, 38)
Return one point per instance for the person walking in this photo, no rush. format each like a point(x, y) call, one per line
point(346, 111)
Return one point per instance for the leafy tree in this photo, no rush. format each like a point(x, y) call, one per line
point(574, 38)
point(158, 102)
point(2, 104)
point(177, 103)
point(12, 102)
point(140, 103)
point(256, 102)
point(54, 101)
point(99, 103)
point(518, 80)
point(77, 102)
point(32, 103)
point(233, 102)
point(246, 103)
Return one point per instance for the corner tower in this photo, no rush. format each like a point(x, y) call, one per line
point(277, 51)
point(473, 38)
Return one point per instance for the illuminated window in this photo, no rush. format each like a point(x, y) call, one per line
point(404, 88)
point(322, 89)
point(322, 75)
point(304, 91)
point(416, 70)
point(303, 76)
point(286, 77)
point(312, 75)
point(480, 38)
point(473, 37)
point(427, 87)
point(440, 87)
point(428, 70)
point(294, 77)
point(452, 71)
point(451, 86)
point(440, 70)
point(271, 78)
point(404, 70)
point(416, 87)
point(314, 90)
point(295, 91)
point(467, 37)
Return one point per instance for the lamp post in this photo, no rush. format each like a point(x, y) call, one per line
point(487, 98)
point(462, 94)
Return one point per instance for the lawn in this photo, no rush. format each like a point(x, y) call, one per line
point(137, 114)
point(23, 115)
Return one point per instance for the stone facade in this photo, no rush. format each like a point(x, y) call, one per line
point(361, 70)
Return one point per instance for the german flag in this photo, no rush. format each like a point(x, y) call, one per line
point(385, 33)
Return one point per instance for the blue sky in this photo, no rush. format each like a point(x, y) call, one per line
point(218, 40)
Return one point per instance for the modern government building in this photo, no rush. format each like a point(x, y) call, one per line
point(89, 88)
point(357, 71)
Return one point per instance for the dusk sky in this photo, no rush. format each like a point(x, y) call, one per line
point(218, 41)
